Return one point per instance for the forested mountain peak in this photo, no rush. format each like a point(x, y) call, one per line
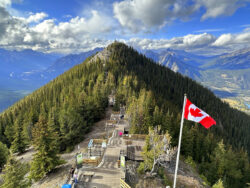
point(70, 104)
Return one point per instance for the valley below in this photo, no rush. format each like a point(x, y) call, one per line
point(8, 97)
point(232, 87)
point(227, 75)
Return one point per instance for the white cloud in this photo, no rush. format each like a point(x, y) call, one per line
point(77, 34)
point(243, 37)
point(223, 40)
point(215, 8)
point(185, 42)
point(235, 40)
point(147, 15)
point(5, 3)
point(198, 40)
point(139, 15)
point(81, 33)
point(36, 17)
point(205, 44)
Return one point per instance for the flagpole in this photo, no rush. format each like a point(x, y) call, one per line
point(179, 144)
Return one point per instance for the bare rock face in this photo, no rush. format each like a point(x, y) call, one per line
point(150, 182)
point(187, 176)
point(103, 55)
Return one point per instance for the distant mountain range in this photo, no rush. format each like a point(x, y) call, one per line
point(227, 75)
point(26, 60)
point(233, 61)
point(178, 61)
point(24, 71)
point(58, 67)
point(15, 63)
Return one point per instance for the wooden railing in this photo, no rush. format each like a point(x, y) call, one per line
point(99, 141)
point(92, 161)
point(138, 137)
point(135, 137)
point(124, 184)
point(115, 112)
point(111, 122)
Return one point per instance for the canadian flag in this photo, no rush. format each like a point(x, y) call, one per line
point(195, 114)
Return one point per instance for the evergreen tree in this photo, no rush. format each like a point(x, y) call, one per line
point(217, 165)
point(9, 133)
point(46, 158)
point(4, 152)
point(19, 143)
point(13, 174)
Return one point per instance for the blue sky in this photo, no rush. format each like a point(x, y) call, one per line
point(71, 26)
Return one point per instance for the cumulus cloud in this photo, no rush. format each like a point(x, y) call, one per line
point(36, 17)
point(4, 18)
point(71, 33)
point(147, 14)
point(223, 40)
point(141, 15)
point(243, 37)
point(5, 3)
point(215, 8)
point(205, 43)
point(198, 40)
point(234, 40)
point(77, 34)
point(185, 42)
point(39, 32)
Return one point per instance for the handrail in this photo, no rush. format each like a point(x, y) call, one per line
point(124, 184)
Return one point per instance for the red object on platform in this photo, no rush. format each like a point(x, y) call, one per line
point(193, 113)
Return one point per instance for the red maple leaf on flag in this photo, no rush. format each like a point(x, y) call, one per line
point(196, 112)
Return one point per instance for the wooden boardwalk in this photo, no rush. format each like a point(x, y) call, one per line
point(107, 174)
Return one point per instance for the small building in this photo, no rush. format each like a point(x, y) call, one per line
point(134, 150)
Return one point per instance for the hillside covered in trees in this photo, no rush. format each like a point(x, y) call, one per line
point(153, 94)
